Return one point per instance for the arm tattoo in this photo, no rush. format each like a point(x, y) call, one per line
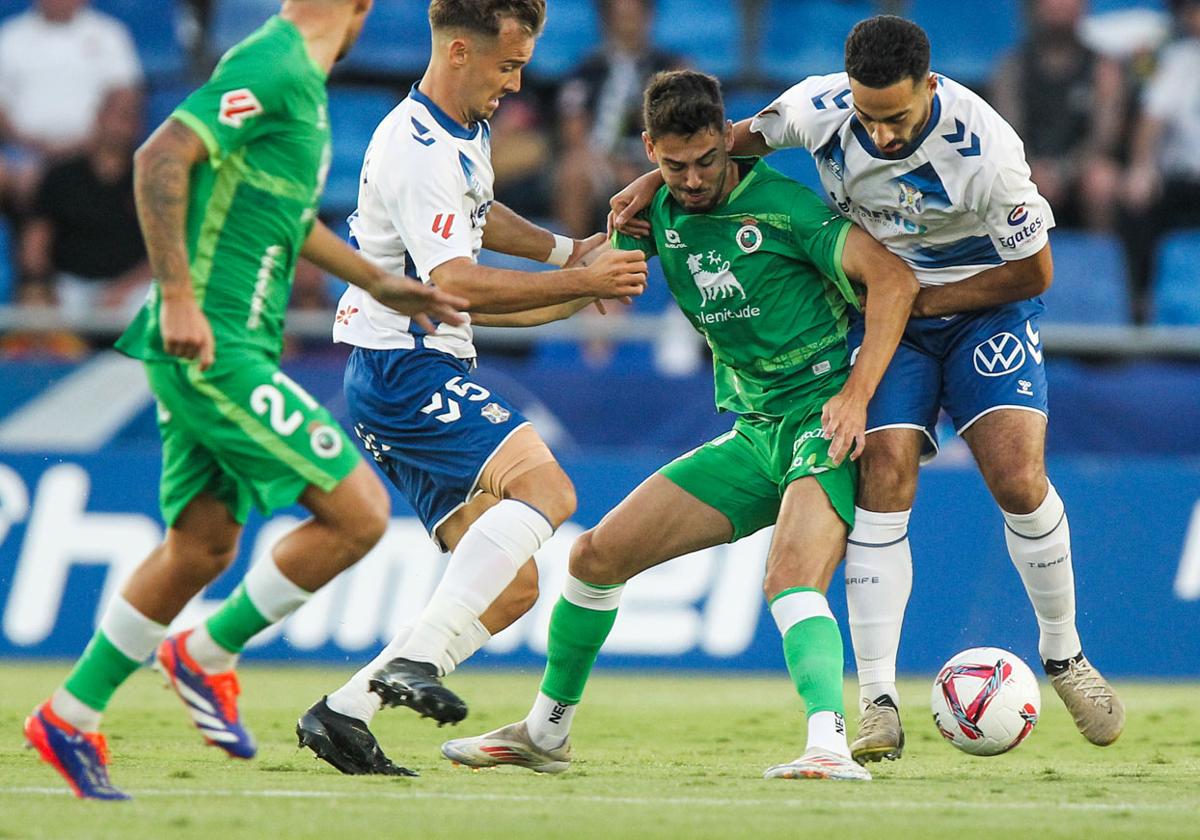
point(161, 185)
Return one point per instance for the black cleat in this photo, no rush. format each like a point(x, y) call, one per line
point(403, 682)
point(345, 742)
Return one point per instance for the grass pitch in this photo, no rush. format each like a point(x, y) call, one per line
point(656, 756)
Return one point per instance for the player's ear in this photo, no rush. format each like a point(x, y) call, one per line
point(457, 51)
point(729, 136)
point(649, 147)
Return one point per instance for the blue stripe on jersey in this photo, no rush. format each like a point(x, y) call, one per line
point(864, 137)
point(974, 250)
point(452, 127)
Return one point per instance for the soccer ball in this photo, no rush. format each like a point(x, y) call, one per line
point(985, 701)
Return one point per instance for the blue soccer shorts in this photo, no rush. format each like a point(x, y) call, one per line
point(969, 365)
point(429, 427)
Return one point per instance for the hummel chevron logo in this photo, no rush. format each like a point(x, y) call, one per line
point(959, 135)
point(422, 131)
point(818, 101)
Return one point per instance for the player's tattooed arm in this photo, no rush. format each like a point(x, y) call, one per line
point(161, 181)
point(891, 289)
point(1012, 281)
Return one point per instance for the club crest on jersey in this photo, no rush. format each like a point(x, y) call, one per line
point(237, 106)
point(325, 441)
point(717, 283)
point(749, 237)
point(495, 413)
point(911, 198)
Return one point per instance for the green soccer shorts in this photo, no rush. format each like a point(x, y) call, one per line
point(744, 472)
point(244, 432)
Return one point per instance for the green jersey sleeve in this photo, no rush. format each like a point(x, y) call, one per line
point(245, 99)
point(820, 234)
point(624, 242)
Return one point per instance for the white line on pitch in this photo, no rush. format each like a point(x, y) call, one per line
point(624, 800)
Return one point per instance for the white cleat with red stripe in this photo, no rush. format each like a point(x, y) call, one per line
point(820, 764)
point(508, 745)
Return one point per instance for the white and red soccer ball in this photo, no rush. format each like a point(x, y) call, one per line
point(985, 701)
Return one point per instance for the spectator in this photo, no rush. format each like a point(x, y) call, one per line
point(83, 236)
point(520, 149)
point(1068, 104)
point(57, 60)
point(600, 115)
point(1162, 189)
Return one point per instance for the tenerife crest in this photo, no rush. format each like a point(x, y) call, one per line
point(912, 199)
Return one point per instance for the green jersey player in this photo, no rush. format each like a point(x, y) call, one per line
point(764, 270)
point(227, 192)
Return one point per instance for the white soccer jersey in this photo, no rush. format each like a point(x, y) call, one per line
point(962, 201)
point(423, 199)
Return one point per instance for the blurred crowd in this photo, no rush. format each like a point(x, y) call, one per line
point(1106, 99)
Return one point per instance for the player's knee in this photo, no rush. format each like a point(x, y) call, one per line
point(1021, 489)
point(588, 563)
point(367, 523)
point(885, 480)
point(201, 560)
point(558, 501)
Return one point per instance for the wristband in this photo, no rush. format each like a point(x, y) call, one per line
point(562, 250)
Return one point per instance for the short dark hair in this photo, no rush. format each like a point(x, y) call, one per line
point(682, 102)
point(886, 49)
point(604, 8)
point(487, 16)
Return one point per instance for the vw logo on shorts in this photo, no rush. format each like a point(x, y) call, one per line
point(1000, 355)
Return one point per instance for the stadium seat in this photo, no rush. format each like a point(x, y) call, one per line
point(741, 103)
point(803, 39)
point(1090, 284)
point(8, 271)
point(395, 41)
point(8, 8)
point(233, 20)
point(711, 40)
point(1177, 279)
point(968, 39)
point(163, 55)
point(353, 114)
point(1099, 7)
point(572, 31)
point(161, 101)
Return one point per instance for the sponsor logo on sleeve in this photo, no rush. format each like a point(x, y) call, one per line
point(238, 106)
point(1029, 227)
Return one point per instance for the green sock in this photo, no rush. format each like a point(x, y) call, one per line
point(812, 647)
point(99, 672)
point(236, 621)
point(576, 636)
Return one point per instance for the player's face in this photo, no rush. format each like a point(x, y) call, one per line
point(894, 115)
point(361, 9)
point(695, 167)
point(492, 69)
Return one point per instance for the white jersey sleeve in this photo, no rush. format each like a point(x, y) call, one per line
point(806, 115)
point(1005, 199)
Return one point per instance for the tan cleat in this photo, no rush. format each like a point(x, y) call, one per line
point(819, 764)
point(508, 745)
point(1098, 712)
point(880, 734)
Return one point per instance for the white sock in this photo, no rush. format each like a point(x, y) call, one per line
point(209, 655)
point(878, 583)
point(355, 698)
point(487, 559)
point(463, 646)
point(549, 722)
point(1039, 544)
point(827, 731)
point(74, 711)
point(273, 594)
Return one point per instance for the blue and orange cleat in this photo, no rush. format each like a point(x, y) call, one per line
point(211, 699)
point(80, 757)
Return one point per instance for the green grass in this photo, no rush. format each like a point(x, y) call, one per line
point(655, 757)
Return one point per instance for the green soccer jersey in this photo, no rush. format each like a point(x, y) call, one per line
point(263, 115)
point(760, 276)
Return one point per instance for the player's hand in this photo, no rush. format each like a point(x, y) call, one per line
point(420, 302)
point(632, 200)
point(617, 274)
point(186, 332)
point(844, 420)
point(584, 247)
